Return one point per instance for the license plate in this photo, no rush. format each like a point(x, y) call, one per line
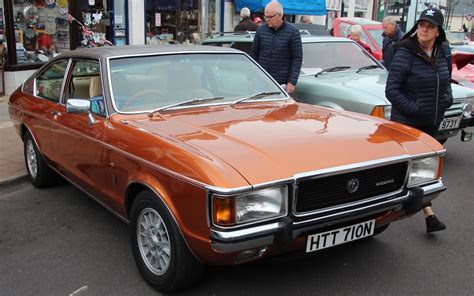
point(450, 123)
point(339, 236)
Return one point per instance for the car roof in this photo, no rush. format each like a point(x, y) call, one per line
point(116, 51)
point(249, 38)
point(360, 20)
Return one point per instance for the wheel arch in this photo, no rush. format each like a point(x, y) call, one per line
point(131, 193)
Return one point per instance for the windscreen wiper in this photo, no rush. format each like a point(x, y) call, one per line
point(184, 103)
point(368, 68)
point(332, 69)
point(259, 95)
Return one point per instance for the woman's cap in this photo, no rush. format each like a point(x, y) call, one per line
point(432, 15)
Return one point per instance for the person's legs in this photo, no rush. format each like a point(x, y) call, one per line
point(432, 222)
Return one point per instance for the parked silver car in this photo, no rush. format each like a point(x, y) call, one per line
point(339, 74)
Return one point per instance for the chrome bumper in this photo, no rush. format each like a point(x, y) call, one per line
point(283, 231)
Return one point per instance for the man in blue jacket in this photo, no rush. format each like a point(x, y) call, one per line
point(277, 47)
point(391, 35)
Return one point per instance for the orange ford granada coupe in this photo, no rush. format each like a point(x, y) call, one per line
point(210, 161)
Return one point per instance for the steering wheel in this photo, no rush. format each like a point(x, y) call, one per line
point(158, 96)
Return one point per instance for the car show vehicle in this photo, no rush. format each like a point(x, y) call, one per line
point(459, 41)
point(337, 73)
point(211, 162)
point(372, 34)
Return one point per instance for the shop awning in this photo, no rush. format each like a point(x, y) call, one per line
point(303, 7)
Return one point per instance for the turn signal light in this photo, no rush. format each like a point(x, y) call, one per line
point(224, 211)
point(440, 167)
point(378, 111)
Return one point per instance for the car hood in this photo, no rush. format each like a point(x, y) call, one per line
point(274, 141)
point(370, 82)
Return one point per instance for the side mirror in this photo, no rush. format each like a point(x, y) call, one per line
point(78, 106)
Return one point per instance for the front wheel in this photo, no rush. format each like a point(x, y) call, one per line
point(160, 252)
point(39, 173)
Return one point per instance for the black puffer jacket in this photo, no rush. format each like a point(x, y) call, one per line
point(418, 86)
point(279, 52)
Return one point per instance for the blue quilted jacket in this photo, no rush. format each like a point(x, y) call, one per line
point(279, 52)
point(418, 86)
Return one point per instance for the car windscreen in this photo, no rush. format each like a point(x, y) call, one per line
point(455, 38)
point(324, 55)
point(145, 83)
point(377, 35)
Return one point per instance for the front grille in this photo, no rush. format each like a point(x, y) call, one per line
point(455, 109)
point(333, 190)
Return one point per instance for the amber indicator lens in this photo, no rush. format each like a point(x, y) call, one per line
point(224, 211)
point(378, 111)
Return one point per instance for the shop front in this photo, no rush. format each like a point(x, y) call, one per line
point(180, 21)
point(34, 31)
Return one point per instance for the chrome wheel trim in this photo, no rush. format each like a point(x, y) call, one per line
point(153, 241)
point(31, 159)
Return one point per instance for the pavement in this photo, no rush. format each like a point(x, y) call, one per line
point(12, 164)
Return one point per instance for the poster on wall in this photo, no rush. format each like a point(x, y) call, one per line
point(158, 19)
point(50, 25)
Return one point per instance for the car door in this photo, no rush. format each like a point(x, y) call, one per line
point(45, 89)
point(79, 144)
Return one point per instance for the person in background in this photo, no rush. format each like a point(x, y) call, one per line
point(391, 35)
point(277, 47)
point(246, 23)
point(418, 84)
point(305, 19)
point(355, 32)
point(257, 21)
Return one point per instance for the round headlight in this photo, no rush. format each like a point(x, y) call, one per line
point(467, 110)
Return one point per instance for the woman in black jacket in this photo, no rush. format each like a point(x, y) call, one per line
point(418, 84)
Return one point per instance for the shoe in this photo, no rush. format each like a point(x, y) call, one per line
point(433, 224)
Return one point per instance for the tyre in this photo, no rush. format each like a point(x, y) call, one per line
point(159, 250)
point(39, 173)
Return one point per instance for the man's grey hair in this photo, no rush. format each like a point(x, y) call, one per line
point(390, 20)
point(274, 7)
point(244, 12)
point(356, 29)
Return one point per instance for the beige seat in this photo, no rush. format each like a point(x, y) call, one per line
point(185, 84)
point(95, 87)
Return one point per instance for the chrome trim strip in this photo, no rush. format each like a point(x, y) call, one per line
point(354, 167)
point(123, 219)
point(432, 188)
point(156, 167)
point(393, 200)
point(243, 245)
point(229, 191)
point(231, 236)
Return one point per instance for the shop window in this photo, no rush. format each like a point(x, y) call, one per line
point(172, 21)
point(41, 31)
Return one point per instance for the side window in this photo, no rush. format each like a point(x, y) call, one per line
point(85, 83)
point(48, 84)
point(28, 86)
